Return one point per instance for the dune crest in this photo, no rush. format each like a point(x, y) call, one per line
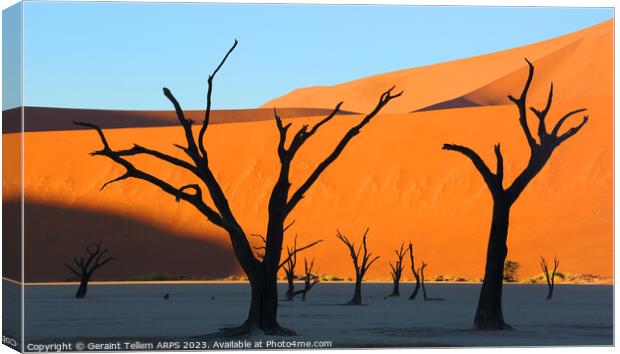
point(579, 63)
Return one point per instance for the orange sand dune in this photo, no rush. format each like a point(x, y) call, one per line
point(393, 177)
point(580, 64)
point(580, 69)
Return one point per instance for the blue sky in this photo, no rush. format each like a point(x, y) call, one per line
point(120, 55)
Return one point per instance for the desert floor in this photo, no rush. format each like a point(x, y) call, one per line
point(577, 315)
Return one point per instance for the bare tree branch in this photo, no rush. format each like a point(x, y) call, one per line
point(572, 131)
point(558, 125)
point(191, 148)
point(205, 122)
point(385, 98)
point(133, 172)
point(261, 237)
point(542, 129)
point(297, 250)
point(488, 176)
point(137, 150)
point(288, 226)
point(499, 173)
point(521, 104)
point(73, 270)
point(197, 195)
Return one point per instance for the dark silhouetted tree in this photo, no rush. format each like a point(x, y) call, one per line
point(416, 274)
point(310, 279)
point(489, 314)
point(426, 297)
point(361, 264)
point(550, 278)
point(289, 265)
point(85, 267)
point(421, 272)
point(511, 268)
point(396, 269)
point(289, 270)
point(262, 273)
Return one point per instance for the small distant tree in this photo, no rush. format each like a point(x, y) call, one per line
point(416, 274)
point(422, 278)
point(85, 267)
point(289, 270)
point(511, 268)
point(361, 264)
point(310, 279)
point(426, 298)
point(289, 263)
point(550, 278)
point(396, 269)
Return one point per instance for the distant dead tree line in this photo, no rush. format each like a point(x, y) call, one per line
point(209, 199)
point(362, 260)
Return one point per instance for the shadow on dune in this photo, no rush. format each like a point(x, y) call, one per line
point(460, 102)
point(11, 241)
point(54, 235)
point(48, 119)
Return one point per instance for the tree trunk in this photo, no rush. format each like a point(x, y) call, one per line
point(290, 292)
point(263, 309)
point(395, 290)
point(357, 295)
point(262, 276)
point(81, 292)
point(416, 289)
point(489, 314)
point(550, 293)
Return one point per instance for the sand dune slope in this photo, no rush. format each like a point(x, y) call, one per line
point(580, 64)
point(579, 70)
point(393, 177)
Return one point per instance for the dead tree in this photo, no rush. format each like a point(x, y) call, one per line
point(85, 267)
point(262, 274)
point(416, 274)
point(361, 264)
point(310, 279)
point(421, 272)
point(396, 269)
point(289, 270)
point(550, 278)
point(289, 265)
point(489, 312)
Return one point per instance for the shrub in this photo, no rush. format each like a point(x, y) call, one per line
point(511, 268)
